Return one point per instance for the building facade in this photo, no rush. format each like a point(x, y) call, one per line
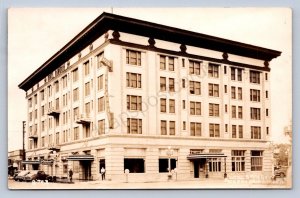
point(153, 100)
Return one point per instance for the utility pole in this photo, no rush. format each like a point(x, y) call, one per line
point(24, 156)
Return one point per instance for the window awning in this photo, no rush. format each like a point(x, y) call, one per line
point(80, 158)
point(205, 155)
point(31, 162)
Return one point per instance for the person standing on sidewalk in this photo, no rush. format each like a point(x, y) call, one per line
point(70, 174)
point(103, 173)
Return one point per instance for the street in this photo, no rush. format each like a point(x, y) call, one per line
point(199, 184)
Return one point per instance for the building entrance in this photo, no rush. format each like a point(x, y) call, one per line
point(199, 168)
point(86, 170)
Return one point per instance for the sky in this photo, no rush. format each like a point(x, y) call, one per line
point(35, 34)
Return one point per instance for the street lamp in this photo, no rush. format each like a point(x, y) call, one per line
point(169, 153)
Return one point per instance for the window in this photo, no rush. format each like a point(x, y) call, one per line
point(42, 93)
point(195, 128)
point(76, 113)
point(75, 75)
point(255, 95)
point(171, 106)
point(35, 99)
point(99, 58)
point(43, 125)
point(133, 57)
point(226, 127)
point(255, 132)
point(43, 141)
point(87, 108)
point(75, 94)
point(30, 102)
point(56, 85)
point(133, 80)
point(57, 103)
point(86, 67)
point(233, 111)
point(163, 164)
point(195, 87)
point(233, 93)
point(162, 62)
point(213, 70)
point(100, 84)
point(267, 129)
point(65, 81)
point(239, 75)
point(171, 84)
point(49, 90)
point(214, 130)
point(194, 67)
point(134, 165)
point(172, 127)
point(134, 126)
point(163, 105)
point(232, 73)
point(163, 127)
point(233, 131)
point(225, 88)
point(183, 125)
point(76, 133)
point(163, 84)
point(183, 62)
point(195, 108)
point(267, 112)
point(237, 160)
point(171, 64)
point(50, 139)
point(183, 83)
point(213, 90)
point(43, 110)
point(240, 112)
point(267, 94)
point(240, 93)
point(255, 77)
point(256, 160)
point(266, 76)
point(214, 165)
point(101, 127)
point(255, 113)
point(65, 100)
point(214, 110)
point(183, 104)
point(226, 110)
point(87, 89)
point(35, 114)
point(241, 131)
point(57, 138)
point(134, 102)
point(101, 106)
point(225, 70)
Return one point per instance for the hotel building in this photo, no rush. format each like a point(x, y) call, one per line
point(150, 103)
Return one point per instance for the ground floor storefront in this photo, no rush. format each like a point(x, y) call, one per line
point(150, 161)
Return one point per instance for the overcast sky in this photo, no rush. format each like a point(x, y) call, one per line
point(34, 35)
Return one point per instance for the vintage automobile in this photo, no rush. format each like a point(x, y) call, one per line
point(21, 175)
point(280, 171)
point(35, 176)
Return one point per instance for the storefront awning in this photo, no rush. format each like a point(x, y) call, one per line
point(205, 155)
point(31, 162)
point(80, 158)
point(47, 162)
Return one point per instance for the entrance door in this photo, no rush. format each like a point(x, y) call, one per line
point(196, 169)
point(86, 170)
point(202, 163)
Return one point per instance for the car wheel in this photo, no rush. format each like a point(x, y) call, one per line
point(282, 175)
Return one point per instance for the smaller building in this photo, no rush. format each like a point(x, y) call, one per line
point(15, 160)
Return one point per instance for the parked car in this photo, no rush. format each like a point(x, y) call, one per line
point(35, 175)
point(280, 171)
point(21, 175)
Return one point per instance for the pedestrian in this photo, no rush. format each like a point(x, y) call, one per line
point(103, 173)
point(70, 174)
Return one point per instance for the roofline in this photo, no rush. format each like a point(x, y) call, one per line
point(108, 21)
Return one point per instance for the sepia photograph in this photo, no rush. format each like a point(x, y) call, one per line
point(149, 98)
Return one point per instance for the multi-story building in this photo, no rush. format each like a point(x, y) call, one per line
point(156, 100)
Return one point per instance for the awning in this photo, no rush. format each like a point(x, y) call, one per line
point(31, 162)
point(80, 158)
point(205, 155)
